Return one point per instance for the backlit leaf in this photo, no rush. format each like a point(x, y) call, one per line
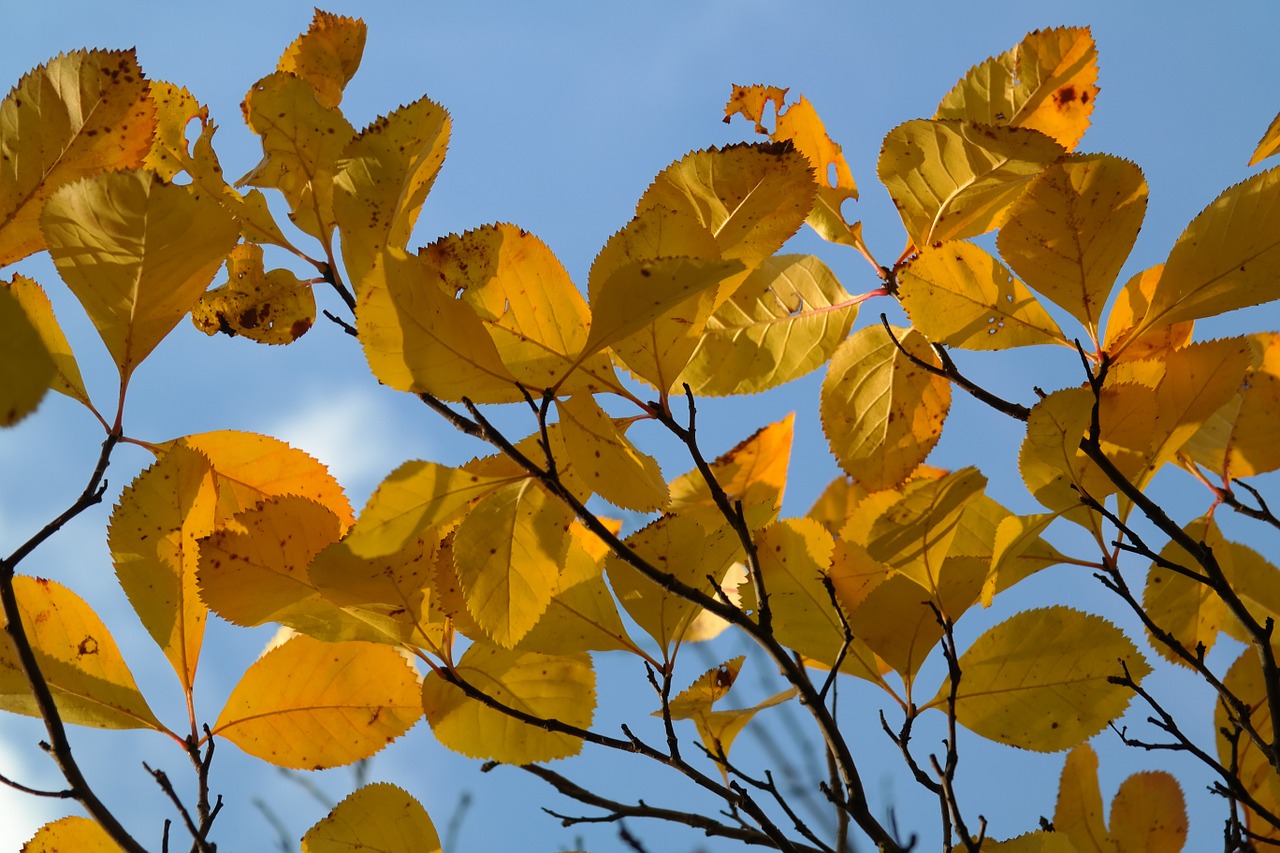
point(1246, 682)
point(26, 366)
point(1047, 83)
point(1078, 814)
point(379, 817)
point(783, 321)
point(1126, 318)
point(267, 307)
point(84, 112)
point(1256, 582)
point(288, 705)
point(1187, 609)
point(952, 179)
point(1039, 679)
point(606, 459)
point(1238, 440)
point(1269, 144)
point(383, 178)
point(508, 551)
point(89, 680)
point(153, 537)
point(137, 252)
point(1149, 814)
point(959, 295)
point(35, 303)
point(418, 338)
point(1072, 230)
point(1041, 841)
point(555, 687)
point(881, 413)
point(1017, 552)
point(914, 535)
point(80, 834)
point(1052, 466)
point(833, 505)
point(754, 472)
point(326, 55)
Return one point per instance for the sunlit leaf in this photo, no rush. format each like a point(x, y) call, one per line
point(383, 178)
point(754, 472)
point(881, 413)
point(953, 179)
point(1257, 584)
point(27, 367)
point(833, 505)
point(379, 817)
point(1017, 552)
point(153, 536)
point(1052, 466)
point(1187, 609)
point(1078, 814)
point(1269, 144)
point(1238, 440)
point(87, 675)
point(80, 834)
point(326, 55)
point(1039, 679)
point(914, 535)
point(289, 703)
point(1246, 682)
point(268, 307)
point(552, 687)
point(137, 252)
point(785, 320)
point(1126, 318)
point(606, 459)
point(84, 112)
point(1047, 83)
point(959, 295)
point(1072, 230)
point(35, 304)
point(1149, 814)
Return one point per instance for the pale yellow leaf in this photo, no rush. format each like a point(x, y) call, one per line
point(881, 413)
point(288, 705)
point(81, 834)
point(544, 687)
point(27, 367)
point(87, 675)
point(379, 817)
point(326, 55)
point(959, 295)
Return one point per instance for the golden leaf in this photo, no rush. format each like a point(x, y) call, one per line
point(1017, 552)
point(833, 505)
point(959, 295)
point(1040, 841)
point(953, 179)
point(1126, 317)
point(80, 834)
point(267, 307)
point(785, 320)
point(35, 303)
point(383, 178)
point(753, 472)
point(87, 675)
point(27, 367)
point(153, 536)
point(289, 703)
point(137, 252)
point(549, 687)
point(1046, 83)
point(1188, 610)
point(1039, 679)
point(1078, 814)
point(1269, 144)
point(1071, 231)
point(1149, 814)
point(1245, 681)
point(84, 112)
point(1256, 582)
point(326, 55)
point(378, 817)
point(881, 413)
point(606, 460)
point(1238, 440)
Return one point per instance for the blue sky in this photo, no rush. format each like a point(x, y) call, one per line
point(563, 113)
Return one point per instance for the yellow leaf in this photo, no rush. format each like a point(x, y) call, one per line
point(447, 594)
point(80, 834)
point(1052, 466)
point(508, 551)
point(383, 178)
point(256, 572)
point(754, 472)
point(1017, 552)
point(1227, 258)
point(718, 729)
point(289, 703)
point(833, 505)
point(959, 295)
point(681, 547)
point(249, 468)
point(378, 817)
point(84, 112)
point(1187, 609)
point(89, 680)
point(1269, 144)
point(750, 101)
point(549, 687)
point(1126, 316)
point(1256, 582)
point(785, 320)
point(27, 367)
point(35, 303)
point(137, 252)
point(537, 318)
point(953, 179)
point(881, 413)
point(1040, 841)
point(302, 140)
point(1047, 83)
point(605, 458)
point(1071, 231)
point(705, 691)
point(1245, 681)
point(418, 338)
point(267, 307)
point(1039, 679)
point(326, 55)
point(1238, 440)
point(1078, 814)
point(1149, 814)
point(153, 537)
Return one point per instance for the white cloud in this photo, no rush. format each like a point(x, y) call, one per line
point(21, 814)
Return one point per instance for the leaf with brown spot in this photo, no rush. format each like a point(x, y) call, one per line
point(267, 307)
point(379, 817)
point(326, 55)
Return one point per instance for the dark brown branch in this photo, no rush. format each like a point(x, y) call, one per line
point(200, 843)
